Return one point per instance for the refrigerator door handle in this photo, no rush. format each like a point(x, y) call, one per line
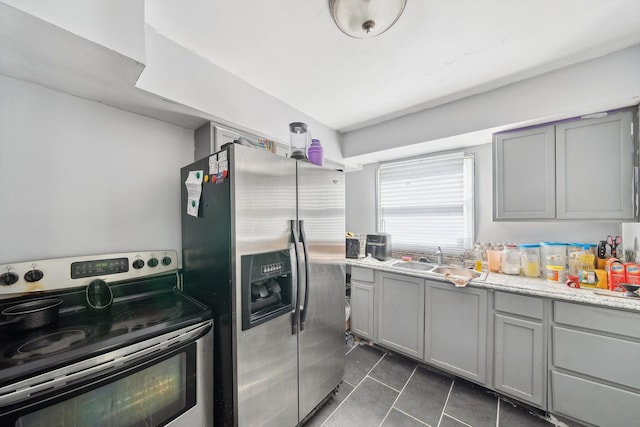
point(303, 311)
point(295, 276)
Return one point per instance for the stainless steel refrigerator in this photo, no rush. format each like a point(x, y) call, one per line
point(266, 252)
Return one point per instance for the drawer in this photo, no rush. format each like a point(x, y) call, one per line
point(593, 402)
point(362, 274)
point(599, 356)
point(519, 304)
point(597, 318)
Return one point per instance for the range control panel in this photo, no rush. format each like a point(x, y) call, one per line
point(62, 273)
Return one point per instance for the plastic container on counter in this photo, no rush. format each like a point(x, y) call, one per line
point(577, 254)
point(530, 259)
point(555, 273)
point(510, 263)
point(554, 253)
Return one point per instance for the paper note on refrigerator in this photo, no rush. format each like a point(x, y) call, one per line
point(194, 191)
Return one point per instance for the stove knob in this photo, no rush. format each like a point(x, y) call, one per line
point(166, 260)
point(33, 275)
point(138, 264)
point(9, 278)
point(153, 262)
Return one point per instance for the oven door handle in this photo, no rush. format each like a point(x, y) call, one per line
point(295, 276)
point(59, 377)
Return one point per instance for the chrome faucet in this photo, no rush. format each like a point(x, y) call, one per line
point(439, 256)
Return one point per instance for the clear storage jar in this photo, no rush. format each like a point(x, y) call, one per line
point(530, 259)
point(510, 260)
point(575, 252)
point(554, 253)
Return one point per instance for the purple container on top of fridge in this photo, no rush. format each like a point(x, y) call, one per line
point(315, 152)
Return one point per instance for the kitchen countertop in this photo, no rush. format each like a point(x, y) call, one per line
point(516, 284)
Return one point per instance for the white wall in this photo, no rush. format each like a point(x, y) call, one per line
point(177, 74)
point(116, 24)
point(361, 208)
point(608, 82)
point(79, 177)
point(360, 205)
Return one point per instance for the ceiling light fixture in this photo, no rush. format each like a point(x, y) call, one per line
point(364, 19)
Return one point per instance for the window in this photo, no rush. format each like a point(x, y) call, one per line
point(427, 202)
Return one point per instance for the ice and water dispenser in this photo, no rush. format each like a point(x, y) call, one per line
point(266, 287)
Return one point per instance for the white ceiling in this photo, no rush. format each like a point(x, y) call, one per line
point(438, 51)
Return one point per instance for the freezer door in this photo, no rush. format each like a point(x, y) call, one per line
point(321, 345)
point(264, 205)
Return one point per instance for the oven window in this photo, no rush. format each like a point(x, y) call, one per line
point(147, 397)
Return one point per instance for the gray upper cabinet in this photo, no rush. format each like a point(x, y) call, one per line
point(524, 174)
point(401, 313)
point(576, 169)
point(456, 330)
point(604, 147)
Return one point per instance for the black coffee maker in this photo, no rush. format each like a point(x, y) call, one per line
point(379, 246)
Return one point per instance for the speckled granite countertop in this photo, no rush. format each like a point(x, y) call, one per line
point(517, 284)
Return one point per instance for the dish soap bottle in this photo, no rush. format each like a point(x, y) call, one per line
point(315, 151)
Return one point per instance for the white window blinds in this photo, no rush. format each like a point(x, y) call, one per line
point(427, 202)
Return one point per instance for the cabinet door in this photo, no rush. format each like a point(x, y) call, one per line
point(595, 168)
point(362, 309)
point(401, 314)
point(524, 174)
point(456, 330)
point(518, 358)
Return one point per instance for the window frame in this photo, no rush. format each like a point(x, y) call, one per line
point(468, 202)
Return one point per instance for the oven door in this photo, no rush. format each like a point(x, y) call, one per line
point(158, 382)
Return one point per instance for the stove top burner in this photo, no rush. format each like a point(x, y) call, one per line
point(50, 343)
point(146, 315)
point(140, 310)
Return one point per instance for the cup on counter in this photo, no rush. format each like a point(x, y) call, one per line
point(494, 258)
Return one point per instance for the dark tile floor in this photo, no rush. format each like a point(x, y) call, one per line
point(388, 390)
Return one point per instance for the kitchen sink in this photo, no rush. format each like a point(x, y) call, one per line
point(413, 265)
point(463, 272)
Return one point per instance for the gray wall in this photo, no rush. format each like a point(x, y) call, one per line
point(361, 210)
point(78, 177)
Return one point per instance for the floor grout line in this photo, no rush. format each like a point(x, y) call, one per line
point(351, 349)
point(347, 382)
point(380, 382)
point(399, 393)
point(411, 416)
point(354, 388)
point(454, 418)
point(446, 401)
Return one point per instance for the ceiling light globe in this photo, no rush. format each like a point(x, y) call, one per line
point(365, 18)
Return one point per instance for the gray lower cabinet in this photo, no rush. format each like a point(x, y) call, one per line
point(363, 308)
point(400, 320)
point(456, 329)
point(519, 348)
point(594, 365)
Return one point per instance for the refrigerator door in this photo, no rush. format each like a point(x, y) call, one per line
point(321, 345)
point(264, 203)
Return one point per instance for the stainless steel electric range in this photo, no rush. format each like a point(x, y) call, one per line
point(103, 340)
